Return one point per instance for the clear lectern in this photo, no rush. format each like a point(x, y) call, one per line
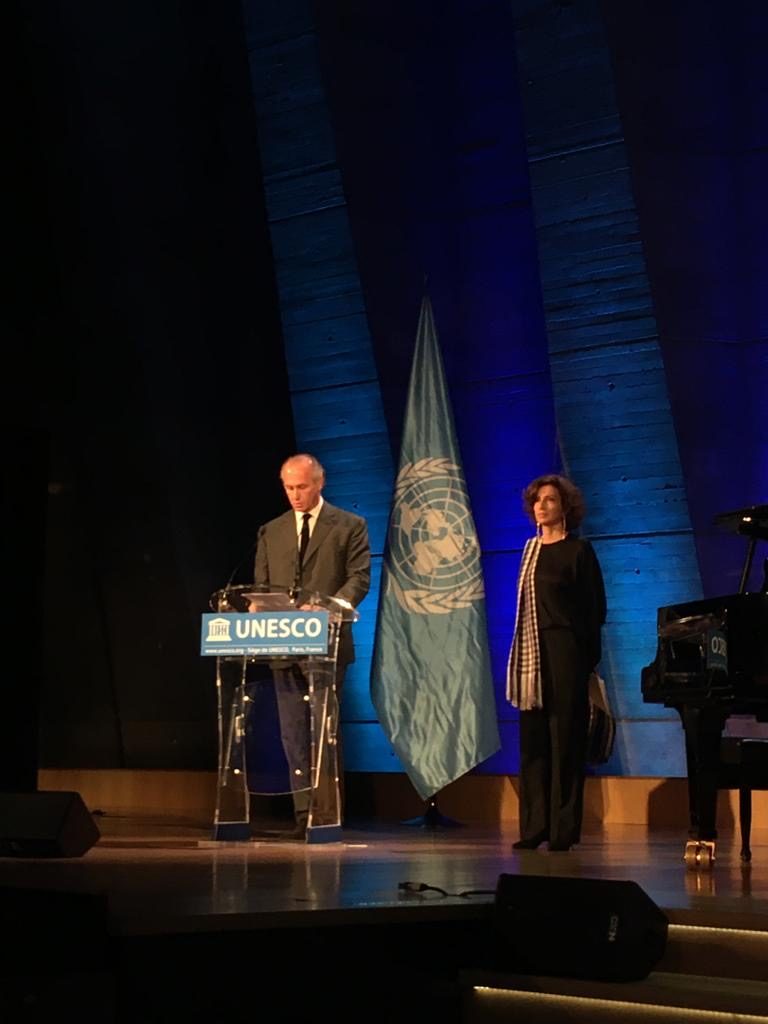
point(246, 731)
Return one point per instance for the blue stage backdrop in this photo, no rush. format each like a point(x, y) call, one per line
point(613, 410)
point(333, 381)
point(692, 81)
point(487, 146)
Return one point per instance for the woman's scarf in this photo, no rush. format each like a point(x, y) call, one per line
point(524, 664)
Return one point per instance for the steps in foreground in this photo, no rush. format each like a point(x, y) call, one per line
point(707, 974)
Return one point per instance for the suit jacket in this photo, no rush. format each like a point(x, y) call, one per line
point(337, 561)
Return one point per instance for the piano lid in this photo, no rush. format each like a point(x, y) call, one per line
point(751, 522)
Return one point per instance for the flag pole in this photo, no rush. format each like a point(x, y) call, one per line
point(432, 819)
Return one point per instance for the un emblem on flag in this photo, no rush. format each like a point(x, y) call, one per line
point(434, 556)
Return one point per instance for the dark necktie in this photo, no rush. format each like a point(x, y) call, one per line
point(304, 539)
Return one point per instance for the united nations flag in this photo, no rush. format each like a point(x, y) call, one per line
point(431, 679)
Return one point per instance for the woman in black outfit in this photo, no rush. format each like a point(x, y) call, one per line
point(556, 645)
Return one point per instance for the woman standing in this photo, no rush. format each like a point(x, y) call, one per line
point(556, 644)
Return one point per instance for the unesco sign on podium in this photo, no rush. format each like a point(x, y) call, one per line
point(238, 634)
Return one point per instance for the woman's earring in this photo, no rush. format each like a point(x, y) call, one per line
point(538, 530)
point(563, 526)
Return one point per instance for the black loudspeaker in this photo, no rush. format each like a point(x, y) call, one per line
point(45, 825)
point(591, 928)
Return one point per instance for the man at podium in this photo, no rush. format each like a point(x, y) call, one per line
point(317, 547)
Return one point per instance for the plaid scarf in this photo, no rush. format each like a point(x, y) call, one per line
point(524, 665)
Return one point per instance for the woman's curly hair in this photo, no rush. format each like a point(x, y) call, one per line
point(571, 498)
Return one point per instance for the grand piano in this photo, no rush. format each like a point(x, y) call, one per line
point(712, 663)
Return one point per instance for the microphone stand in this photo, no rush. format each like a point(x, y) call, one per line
point(222, 595)
point(298, 572)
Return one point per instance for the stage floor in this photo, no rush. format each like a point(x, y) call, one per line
point(165, 877)
point(158, 923)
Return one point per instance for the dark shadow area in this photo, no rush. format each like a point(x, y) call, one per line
point(147, 393)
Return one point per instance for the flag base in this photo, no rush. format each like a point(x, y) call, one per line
point(432, 818)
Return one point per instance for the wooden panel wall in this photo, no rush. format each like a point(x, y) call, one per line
point(334, 385)
point(615, 424)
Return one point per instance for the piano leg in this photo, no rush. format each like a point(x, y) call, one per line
point(745, 819)
point(703, 728)
point(753, 774)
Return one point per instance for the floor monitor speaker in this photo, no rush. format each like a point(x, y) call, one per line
point(592, 928)
point(45, 824)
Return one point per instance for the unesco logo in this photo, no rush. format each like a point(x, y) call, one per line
point(434, 557)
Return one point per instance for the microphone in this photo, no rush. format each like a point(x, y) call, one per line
point(222, 596)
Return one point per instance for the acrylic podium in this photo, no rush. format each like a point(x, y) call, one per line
point(253, 632)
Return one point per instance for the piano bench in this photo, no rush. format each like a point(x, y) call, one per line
point(752, 760)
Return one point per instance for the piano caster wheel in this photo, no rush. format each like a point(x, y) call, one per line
point(700, 854)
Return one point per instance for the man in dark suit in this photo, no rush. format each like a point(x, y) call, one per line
point(317, 547)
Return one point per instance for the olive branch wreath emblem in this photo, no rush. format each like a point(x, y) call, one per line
point(422, 600)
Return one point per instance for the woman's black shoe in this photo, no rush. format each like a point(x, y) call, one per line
point(529, 844)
